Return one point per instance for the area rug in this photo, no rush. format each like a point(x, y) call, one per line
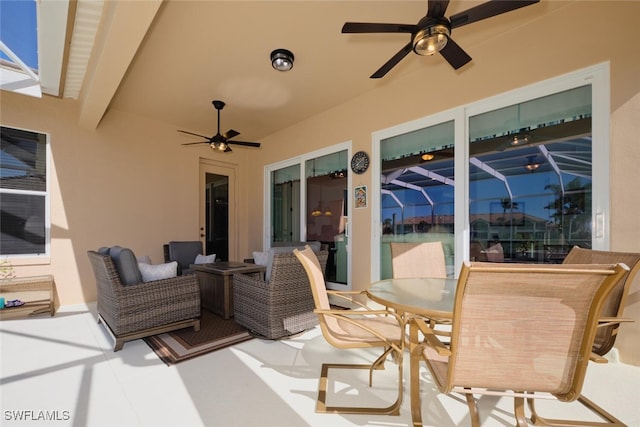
point(184, 344)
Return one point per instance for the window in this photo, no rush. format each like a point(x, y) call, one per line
point(519, 177)
point(24, 197)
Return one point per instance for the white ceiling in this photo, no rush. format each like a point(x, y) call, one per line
point(168, 60)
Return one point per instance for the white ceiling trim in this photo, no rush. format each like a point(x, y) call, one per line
point(87, 19)
point(52, 30)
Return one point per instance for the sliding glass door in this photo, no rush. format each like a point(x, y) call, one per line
point(521, 177)
point(314, 208)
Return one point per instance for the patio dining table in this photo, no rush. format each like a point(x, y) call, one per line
point(425, 296)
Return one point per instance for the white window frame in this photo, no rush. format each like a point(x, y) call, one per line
point(42, 258)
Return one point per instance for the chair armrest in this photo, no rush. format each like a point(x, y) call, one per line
point(430, 337)
point(346, 316)
point(597, 358)
point(241, 280)
point(164, 290)
point(348, 296)
point(610, 321)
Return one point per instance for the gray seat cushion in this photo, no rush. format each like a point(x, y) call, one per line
point(184, 252)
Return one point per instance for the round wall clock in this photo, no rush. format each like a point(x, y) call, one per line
point(360, 162)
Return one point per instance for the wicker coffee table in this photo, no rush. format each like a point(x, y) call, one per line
point(216, 283)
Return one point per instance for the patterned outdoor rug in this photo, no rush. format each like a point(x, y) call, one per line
point(215, 333)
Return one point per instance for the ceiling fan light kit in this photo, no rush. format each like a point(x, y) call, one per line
point(431, 40)
point(282, 59)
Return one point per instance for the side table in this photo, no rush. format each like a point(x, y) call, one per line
point(36, 292)
point(216, 284)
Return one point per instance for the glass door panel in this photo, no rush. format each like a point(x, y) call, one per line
point(417, 191)
point(326, 210)
point(285, 204)
point(530, 179)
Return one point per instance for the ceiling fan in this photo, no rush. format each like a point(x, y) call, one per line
point(433, 32)
point(220, 142)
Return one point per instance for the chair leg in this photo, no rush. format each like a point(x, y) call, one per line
point(518, 412)
point(321, 405)
point(196, 326)
point(610, 420)
point(416, 401)
point(473, 410)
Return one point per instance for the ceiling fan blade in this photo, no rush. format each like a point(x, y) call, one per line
point(454, 54)
point(194, 134)
point(371, 27)
point(392, 62)
point(195, 143)
point(487, 10)
point(230, 134)
point(437, 8)
point(246, 144)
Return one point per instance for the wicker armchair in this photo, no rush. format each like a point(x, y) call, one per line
point(136, 311)
point(281, 306)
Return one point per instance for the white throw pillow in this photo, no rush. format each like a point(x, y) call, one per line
point(144, 259)
point(260, 258)
point(159, 271)
point(205, 259)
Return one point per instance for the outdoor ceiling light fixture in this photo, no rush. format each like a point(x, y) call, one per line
point(282, 59)
point(431, 40)
point(519, 139)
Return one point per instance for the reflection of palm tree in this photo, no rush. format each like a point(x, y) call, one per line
point(387, 227)
point(508, 204)
point(574, 202)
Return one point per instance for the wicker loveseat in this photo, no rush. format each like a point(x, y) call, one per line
point(280, 305)
point(142, 309)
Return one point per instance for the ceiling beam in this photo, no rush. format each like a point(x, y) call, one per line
point(123, 27)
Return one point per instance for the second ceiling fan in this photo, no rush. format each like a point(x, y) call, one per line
point(433, 32)
point(220, 142)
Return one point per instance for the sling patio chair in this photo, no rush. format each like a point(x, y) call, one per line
point(361, 327)
point(611, 316)
point(519, 330)
point(424, 259)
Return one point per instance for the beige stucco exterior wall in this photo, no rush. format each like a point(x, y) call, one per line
point(131, 183)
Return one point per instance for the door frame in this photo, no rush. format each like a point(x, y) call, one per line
point(230, 170)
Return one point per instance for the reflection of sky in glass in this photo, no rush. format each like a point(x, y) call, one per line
point(18, 30)
point(11, 167)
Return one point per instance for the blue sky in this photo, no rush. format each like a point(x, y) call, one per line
point(18, 29)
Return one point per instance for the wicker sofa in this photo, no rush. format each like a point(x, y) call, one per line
point(282, 304)
point(137, 310)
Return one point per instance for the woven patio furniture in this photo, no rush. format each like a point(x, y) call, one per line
point(281, 306)
point(136, 311)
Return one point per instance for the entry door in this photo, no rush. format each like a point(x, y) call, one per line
point(218, 227)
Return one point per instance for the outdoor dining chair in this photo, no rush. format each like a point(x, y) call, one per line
point(360, 327)
point(424, 259)
point(519, 330)
point(612, 311)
